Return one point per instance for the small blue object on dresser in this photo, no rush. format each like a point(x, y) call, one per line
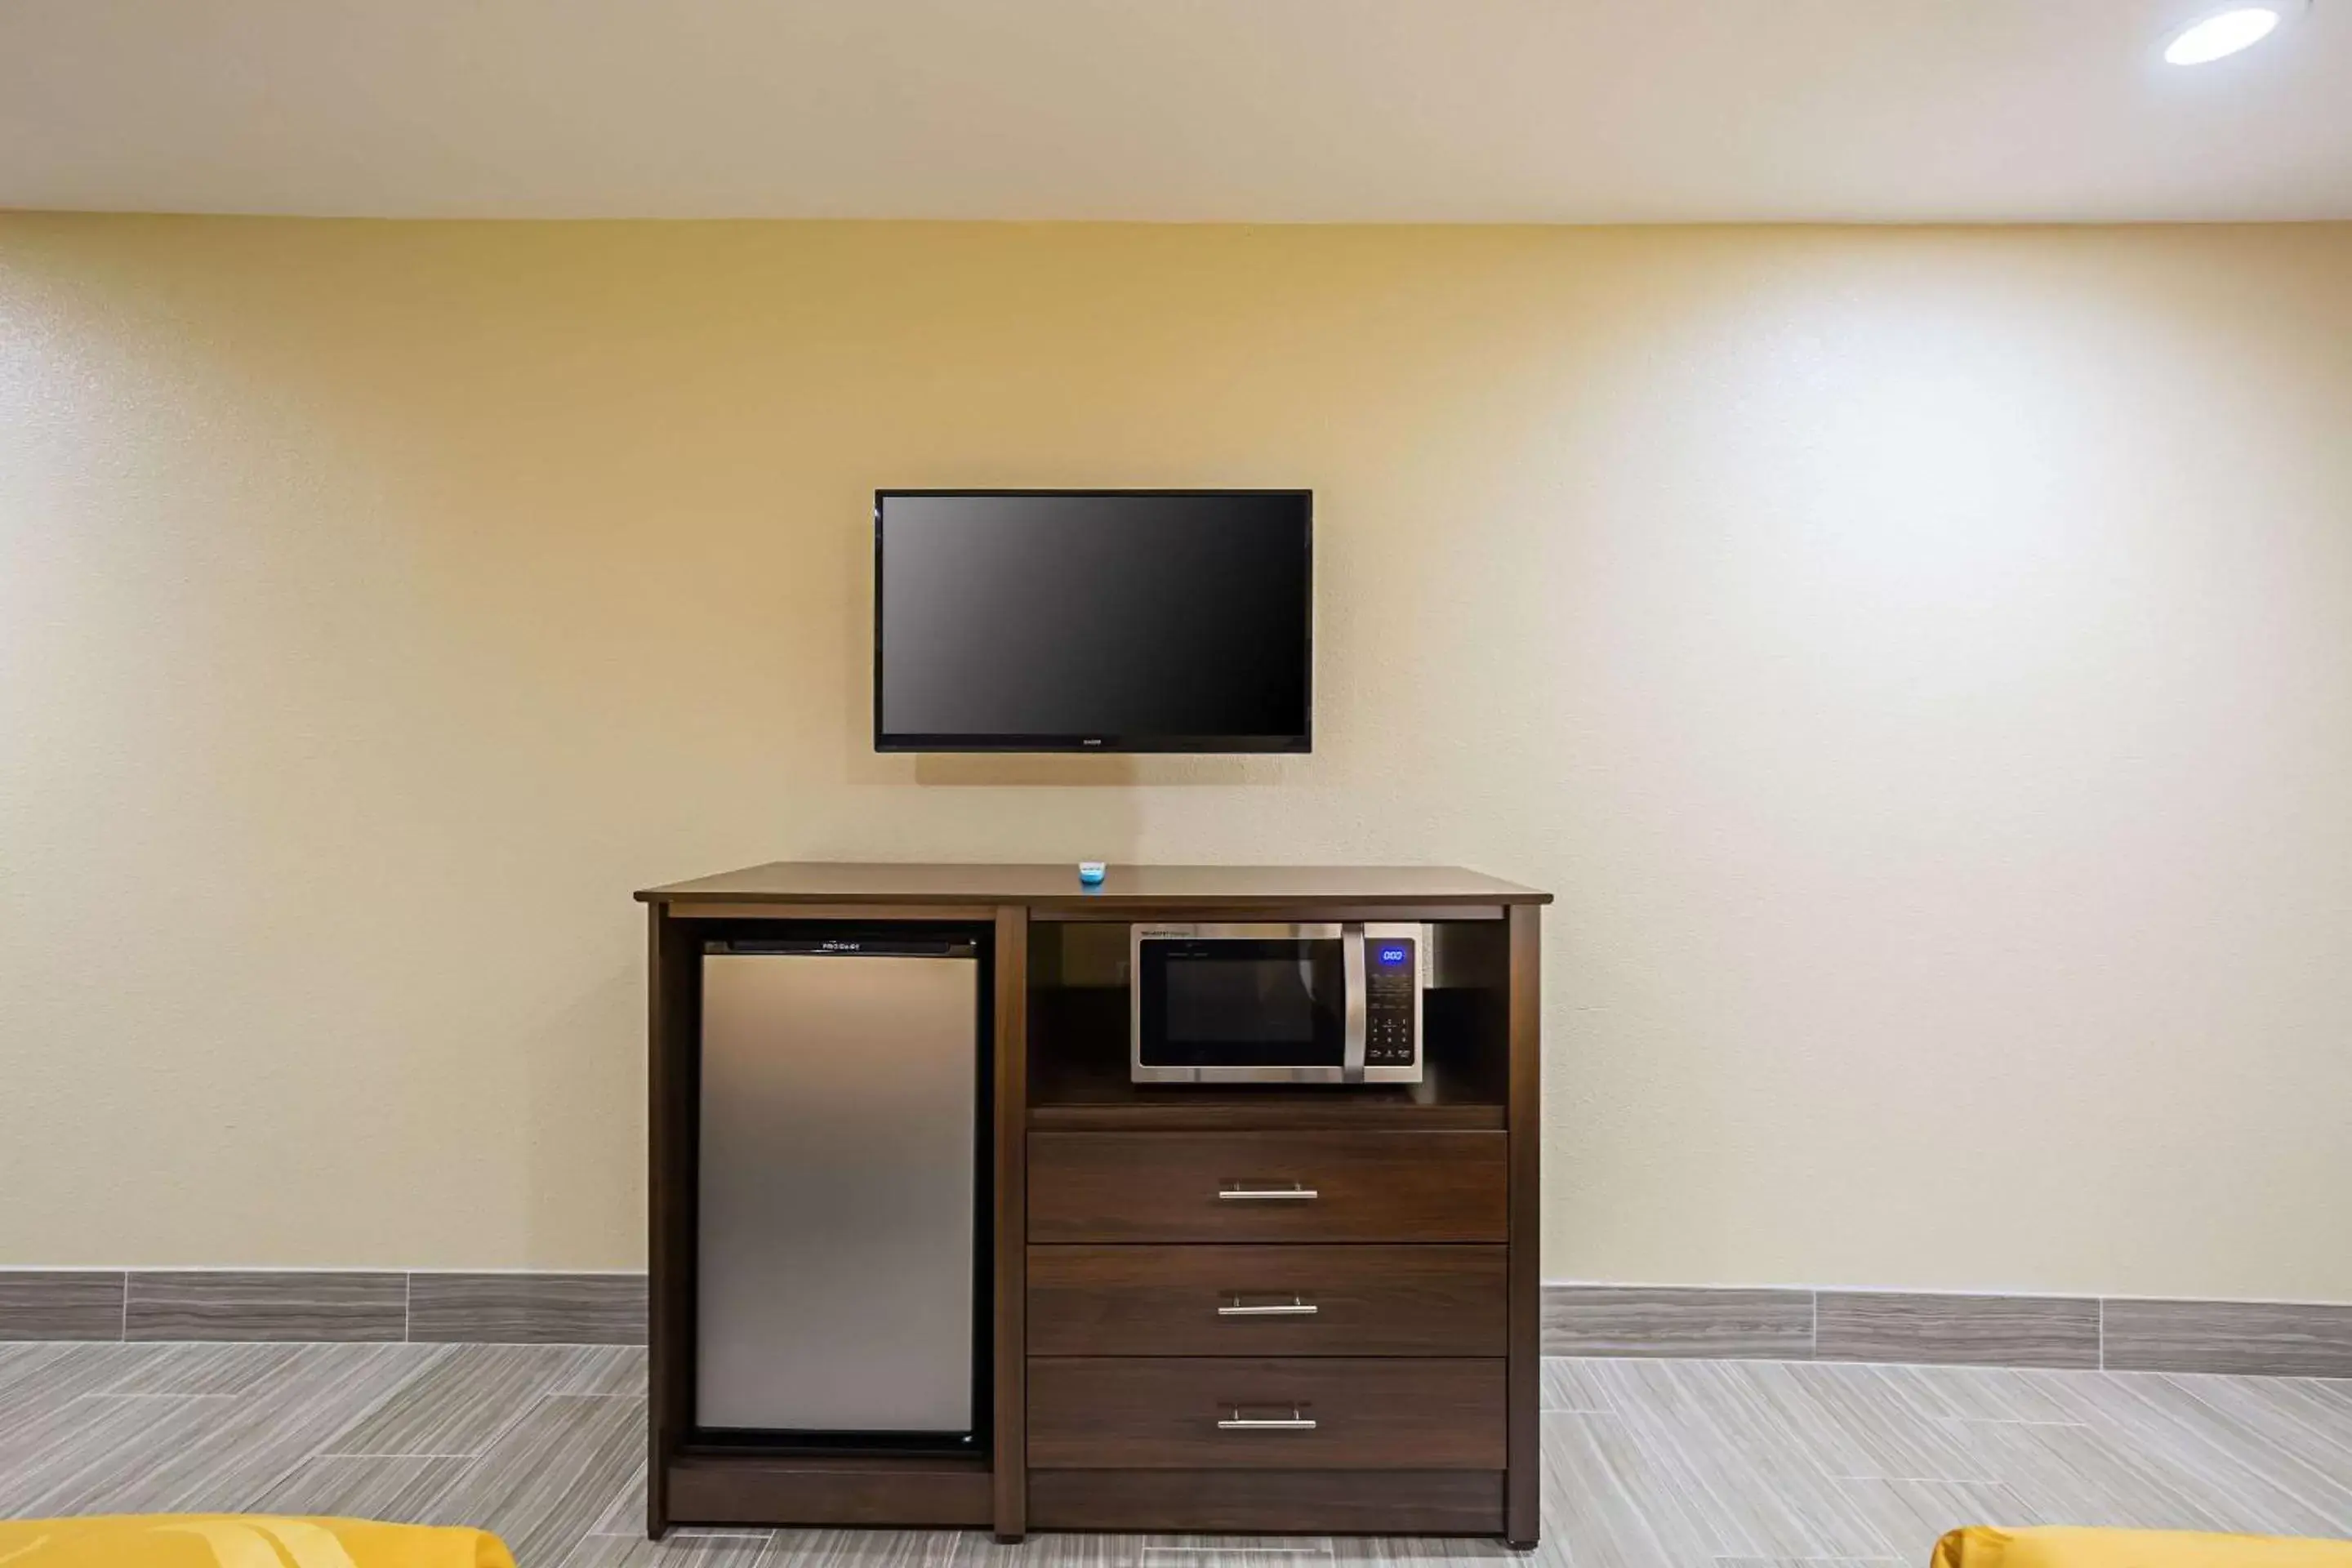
point(1090, 873)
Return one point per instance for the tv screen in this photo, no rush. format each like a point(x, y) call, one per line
point(1096, 620)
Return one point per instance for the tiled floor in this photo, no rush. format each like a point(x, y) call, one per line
point(1678, 1464)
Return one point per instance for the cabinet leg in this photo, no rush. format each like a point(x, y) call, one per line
point(1005, 1540)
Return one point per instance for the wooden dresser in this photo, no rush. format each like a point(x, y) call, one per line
point(1214, 1309)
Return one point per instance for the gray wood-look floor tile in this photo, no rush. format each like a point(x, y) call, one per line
point(626, 1514)
point(1675, 1464)
point(369, 1487)
point(36, 1382)
point(1053, 1548)
point(1700, 1426)
point(2298, 1416)
point(547, 1478)
point(1568, 1384)
point(206, 1369)
point(883, 1549)
point(460, 1403)
point(46, 1407)
point(256, 1438)
point(1912, 1515)
point(1984, 1392)
point(100, 1448)
point(1844, 1419)
point(1231, 1551)
point(2094, 1476)
point(671, 1551)
point(22, 1359)
point(1605, 1506)
point(2230, 1462)
point(1419, 1551)
point(1190, 1549)
point(2210, 1434)
point(605, 1369)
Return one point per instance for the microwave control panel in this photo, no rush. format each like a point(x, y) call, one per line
point(1391, 995)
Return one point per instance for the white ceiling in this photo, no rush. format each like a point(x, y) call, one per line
point(1452, 110)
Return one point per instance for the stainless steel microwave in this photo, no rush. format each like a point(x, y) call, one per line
point(1337, 1003)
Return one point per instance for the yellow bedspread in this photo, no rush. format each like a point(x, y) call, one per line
point(1981, 1546)
point(242, 1541)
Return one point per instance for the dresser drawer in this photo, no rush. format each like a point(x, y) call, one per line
point(1270, 1503)
point(1198, 1413)
point(1266, 1186)
point(1267, 1301)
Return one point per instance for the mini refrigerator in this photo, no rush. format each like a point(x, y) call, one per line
point(841, 1193)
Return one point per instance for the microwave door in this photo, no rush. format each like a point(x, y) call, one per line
point(1240, 1004)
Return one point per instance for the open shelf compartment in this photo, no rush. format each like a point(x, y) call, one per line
point(1080, 1022)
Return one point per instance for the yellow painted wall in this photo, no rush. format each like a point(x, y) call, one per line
point(1921, 662)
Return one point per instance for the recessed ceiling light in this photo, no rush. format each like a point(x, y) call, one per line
point(2223, 34)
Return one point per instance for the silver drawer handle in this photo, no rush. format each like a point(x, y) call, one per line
point(1294, 1422)
point(1236, 1192)
point(1297, 1307)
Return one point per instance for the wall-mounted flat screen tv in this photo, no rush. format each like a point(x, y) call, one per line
point(1093, 620)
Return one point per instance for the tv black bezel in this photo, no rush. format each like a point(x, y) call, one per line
point(1302, 742)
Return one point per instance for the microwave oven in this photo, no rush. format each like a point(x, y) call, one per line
point(1337, 1003)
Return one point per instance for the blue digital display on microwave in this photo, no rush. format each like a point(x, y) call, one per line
point(1393, 955)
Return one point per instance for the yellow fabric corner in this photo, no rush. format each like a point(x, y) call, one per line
point(242, 1541)
point(1981, 1546)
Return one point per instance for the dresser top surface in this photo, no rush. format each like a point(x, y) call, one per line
point(1219, 887)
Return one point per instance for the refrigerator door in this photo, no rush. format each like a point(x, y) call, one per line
point(838, 1193)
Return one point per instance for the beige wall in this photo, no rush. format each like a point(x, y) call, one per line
point(1921, 662)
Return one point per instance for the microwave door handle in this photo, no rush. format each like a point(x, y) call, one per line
point(1352, 965)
